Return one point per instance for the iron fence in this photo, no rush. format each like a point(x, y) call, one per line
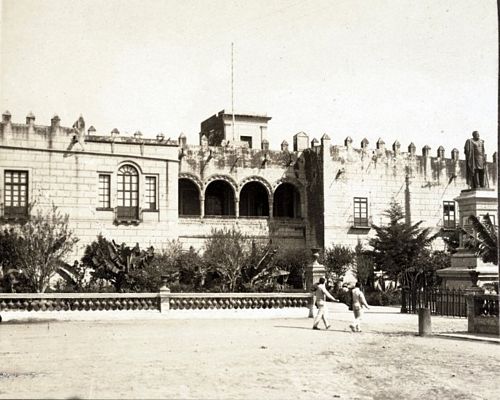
point(446, 302)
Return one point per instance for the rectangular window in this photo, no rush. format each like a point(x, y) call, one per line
point(104, 191)
point(449, 214)
point(360, 211)
point(16, 194)
point(150, 191)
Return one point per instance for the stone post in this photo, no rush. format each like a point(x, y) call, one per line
point(470, 293)
point(314, 271)
point(164, 296)
point(424, 322)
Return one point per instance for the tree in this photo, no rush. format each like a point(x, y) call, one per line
point(293, 260)
point(363, 267)
point(225, 254)
point(398, 246)
point(337, 260)
point(40, 247)
point(9, 272)
point(484, 238)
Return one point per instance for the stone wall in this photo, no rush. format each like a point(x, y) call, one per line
point(65, 173)
point(420, 183)
point(63, 170)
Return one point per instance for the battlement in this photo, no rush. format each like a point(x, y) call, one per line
point(56, 136)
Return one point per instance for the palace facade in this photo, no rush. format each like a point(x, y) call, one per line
point(148, 191)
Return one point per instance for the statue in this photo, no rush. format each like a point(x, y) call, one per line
point(475, 161)
point(79, 129)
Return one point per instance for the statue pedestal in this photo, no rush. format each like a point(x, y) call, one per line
point(477, 202)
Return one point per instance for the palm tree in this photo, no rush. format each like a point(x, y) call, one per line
point(485, 238)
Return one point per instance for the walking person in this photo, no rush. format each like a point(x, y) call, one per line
point(321, 295)
point(358, 302)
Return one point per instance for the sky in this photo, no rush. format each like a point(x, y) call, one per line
point(421, 71)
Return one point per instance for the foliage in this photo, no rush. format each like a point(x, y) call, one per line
point(225, 254)
point(233, 263)
point(398, 247)
point(383, 298)
point(451, 239)
point(121, 266)
point(363, 267)
point(337, 260)
point(485, 239)
point(35, 250)
point(8, 260)
point(293, 260)
point(73, 278)
point(178, 269)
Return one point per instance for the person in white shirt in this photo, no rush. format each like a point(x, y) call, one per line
point(358, 302)
point(321, 295)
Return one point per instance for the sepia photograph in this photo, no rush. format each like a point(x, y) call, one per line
point(266, 199)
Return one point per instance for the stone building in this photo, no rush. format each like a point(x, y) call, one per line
point(134, 189)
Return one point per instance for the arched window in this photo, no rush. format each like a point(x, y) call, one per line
point(219, 199)
point(128, 193)
point(287, 201)
point(189, 198)
point(254, 200)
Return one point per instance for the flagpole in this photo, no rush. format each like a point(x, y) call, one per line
point(232, 87)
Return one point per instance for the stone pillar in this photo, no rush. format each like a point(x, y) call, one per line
point(164, 296)
point(470, 293)
point(237, 208)
point(424, 322)
point(314, 271)
point(202, 207)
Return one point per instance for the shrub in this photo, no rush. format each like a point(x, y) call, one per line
point(337, 260)
point(121, 266)
point(33, 252)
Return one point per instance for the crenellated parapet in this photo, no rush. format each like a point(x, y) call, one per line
point(55, 137)
point(435, 168)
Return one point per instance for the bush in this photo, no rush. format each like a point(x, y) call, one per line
point(383, 298)
point(32, 252)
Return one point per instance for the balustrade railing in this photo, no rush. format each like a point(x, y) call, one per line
point(205, 301)
point(78, 301)
point(483, 313)
point(150, 301)
point(486, 305)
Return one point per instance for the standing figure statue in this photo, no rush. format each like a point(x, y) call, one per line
point(79, 129)
point(475, 160)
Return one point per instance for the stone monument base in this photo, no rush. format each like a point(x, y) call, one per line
point(463, 262)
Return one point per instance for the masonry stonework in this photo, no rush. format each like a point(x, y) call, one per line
point(314, 196)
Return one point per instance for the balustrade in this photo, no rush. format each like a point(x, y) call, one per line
point(151, 301)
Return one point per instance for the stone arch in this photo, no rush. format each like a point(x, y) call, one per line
point(220, 197)
point(197, 181)
point(189, 196)
point(255, 178)
point(129, 162)
point(287, 199)
point(254, 199)
point(225, 178)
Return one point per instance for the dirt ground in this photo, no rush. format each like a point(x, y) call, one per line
point(245, 359)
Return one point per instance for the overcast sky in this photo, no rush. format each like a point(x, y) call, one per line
point(416, 71)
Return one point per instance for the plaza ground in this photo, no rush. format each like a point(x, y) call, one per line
point(246, 358)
